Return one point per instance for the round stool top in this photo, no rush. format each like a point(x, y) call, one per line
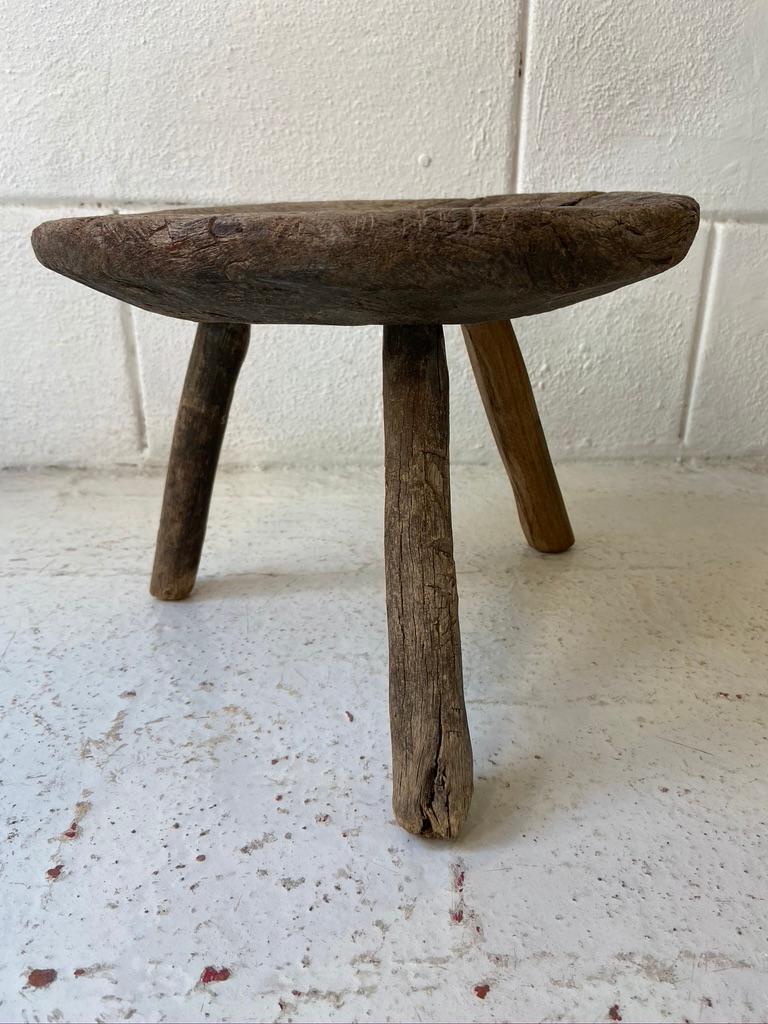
point(389, 262)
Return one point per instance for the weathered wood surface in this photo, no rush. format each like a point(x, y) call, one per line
point(505, 389)
point(431, 749)
point(215, 362)
point(420, 261)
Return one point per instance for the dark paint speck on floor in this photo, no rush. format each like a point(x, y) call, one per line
point(41, 977)
point(214, 974)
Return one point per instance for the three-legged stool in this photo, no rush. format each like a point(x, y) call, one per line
point(411, 266)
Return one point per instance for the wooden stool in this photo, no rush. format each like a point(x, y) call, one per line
point(411, 266)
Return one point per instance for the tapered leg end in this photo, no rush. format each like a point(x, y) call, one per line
point(554, 543)
point(172, 588)
point(437, 806)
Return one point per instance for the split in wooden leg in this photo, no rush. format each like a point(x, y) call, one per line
point(511, 409)
point(215, 362)
point(431, 749)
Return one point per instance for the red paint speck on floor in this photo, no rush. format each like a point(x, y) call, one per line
point(481, 991)
point(457, 915)
point(79, 972)
point(55, 872)
point(214, 974)
point(41, 977)
point(458, 881)
point(200, 857)
point(71, 831)
point(613, 1012)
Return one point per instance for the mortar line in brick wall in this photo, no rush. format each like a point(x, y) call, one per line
point(520, 90)
point(134, 376)
point(112, 205)
point(700, 328)
point(735, 216)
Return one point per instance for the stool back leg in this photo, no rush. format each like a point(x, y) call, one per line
point(215, 362)
point(431, 749)
point(505, 389)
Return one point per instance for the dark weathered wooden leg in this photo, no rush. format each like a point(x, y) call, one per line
point(215, 362)
point(431, 750)
point(511, 409)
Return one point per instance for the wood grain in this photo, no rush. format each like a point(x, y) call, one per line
point(431, 749)
point(505, 389)
point(418, 261)
point(214, 365)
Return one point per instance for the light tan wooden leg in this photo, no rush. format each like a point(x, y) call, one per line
point(511, 409)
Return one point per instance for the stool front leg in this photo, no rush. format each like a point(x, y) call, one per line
point(431, 749)
point(505, 389)
point(214, 365)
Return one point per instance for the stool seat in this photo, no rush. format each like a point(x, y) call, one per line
point(392, 262)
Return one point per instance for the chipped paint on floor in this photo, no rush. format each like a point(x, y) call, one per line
point(196, 795)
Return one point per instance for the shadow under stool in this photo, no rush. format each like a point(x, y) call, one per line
point(411, 266)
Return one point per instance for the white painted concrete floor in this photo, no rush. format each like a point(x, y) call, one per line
point(208, 782)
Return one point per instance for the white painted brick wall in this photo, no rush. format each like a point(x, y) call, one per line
point(729, 398)
point(258, 100)
point(669, 96)
point(609, 376)
point(65, 387)
point(130, 104)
